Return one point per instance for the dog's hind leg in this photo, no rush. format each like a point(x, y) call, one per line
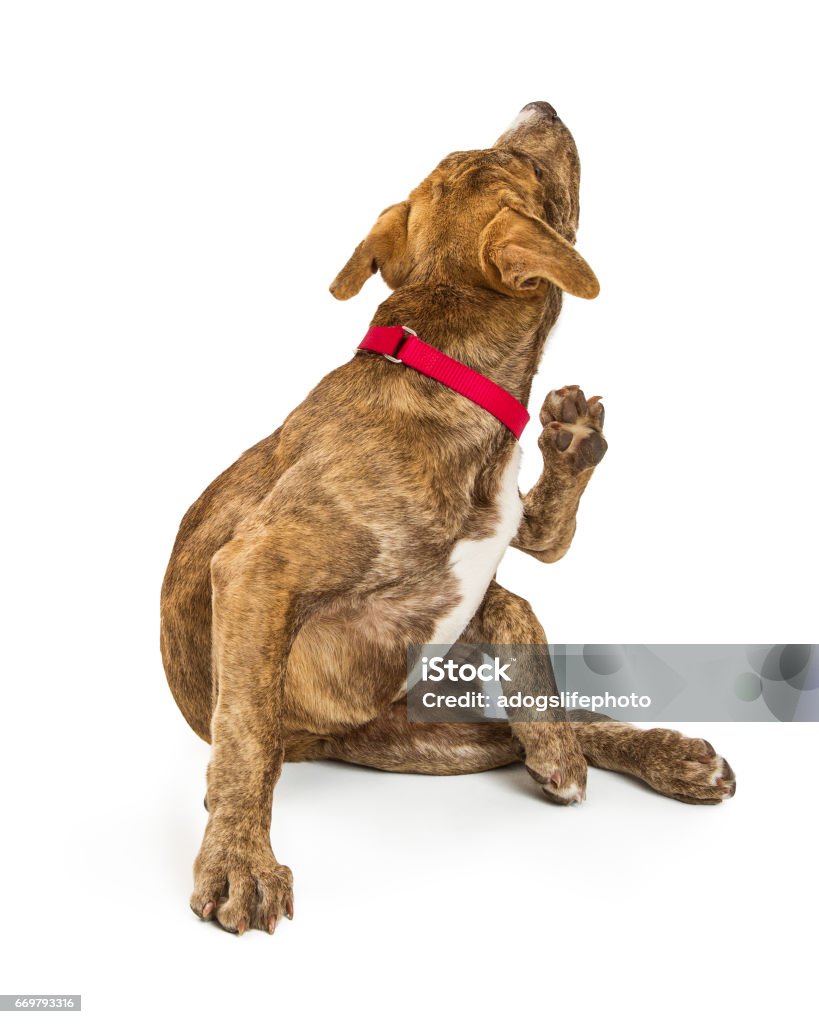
point(675, 765)
point(394, 744)
point(185, 634)
point(185, 638)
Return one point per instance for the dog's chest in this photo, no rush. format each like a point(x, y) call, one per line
point(473, 563)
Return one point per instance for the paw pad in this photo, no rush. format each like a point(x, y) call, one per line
point(574, 427)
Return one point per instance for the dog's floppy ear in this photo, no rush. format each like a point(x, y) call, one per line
point(519, 252)
point(383, 249)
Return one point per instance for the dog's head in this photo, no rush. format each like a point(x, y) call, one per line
point(505, 217)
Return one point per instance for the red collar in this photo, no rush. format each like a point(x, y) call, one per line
point(390, 341)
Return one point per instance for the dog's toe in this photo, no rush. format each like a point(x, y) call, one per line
point(242, 889)
point(561, 784)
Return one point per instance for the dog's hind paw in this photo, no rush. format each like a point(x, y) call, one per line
point(684, 768)
point(573, 428)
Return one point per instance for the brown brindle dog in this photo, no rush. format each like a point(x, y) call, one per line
point(376, 516)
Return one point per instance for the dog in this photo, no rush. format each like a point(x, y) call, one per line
point(376, 515)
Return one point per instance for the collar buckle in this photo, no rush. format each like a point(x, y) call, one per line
point(401, 342)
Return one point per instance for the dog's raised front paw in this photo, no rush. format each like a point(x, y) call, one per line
point(684, 768)
point(573, 428)
point(241, 887)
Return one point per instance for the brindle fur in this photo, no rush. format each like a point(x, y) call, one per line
point(303, 572)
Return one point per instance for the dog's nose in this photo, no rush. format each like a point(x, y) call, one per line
point(538, 131)
point(543, 108)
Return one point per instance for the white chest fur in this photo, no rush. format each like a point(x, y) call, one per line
point(473, 562)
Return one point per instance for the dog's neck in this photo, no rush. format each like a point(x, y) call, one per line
point(497, 335)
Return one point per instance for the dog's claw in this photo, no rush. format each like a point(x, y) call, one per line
point(271, 924)
point(253, 888)
point(288, 907)
point(709, 754)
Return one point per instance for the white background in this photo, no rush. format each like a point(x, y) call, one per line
point(180, 183)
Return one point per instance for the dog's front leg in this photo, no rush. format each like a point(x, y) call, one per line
point(236, 876)
point(552, 751)
point(572, 444)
